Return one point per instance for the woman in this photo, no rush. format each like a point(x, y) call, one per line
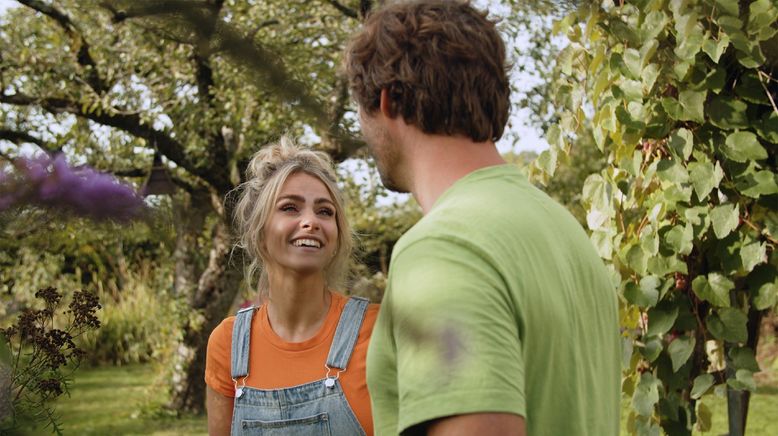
point(296, 364)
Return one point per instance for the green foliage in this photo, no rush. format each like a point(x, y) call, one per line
point(133, 330)
point(680, 98)
point(377, 222)
point(39, 249)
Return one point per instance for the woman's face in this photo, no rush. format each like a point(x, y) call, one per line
point(301, 234)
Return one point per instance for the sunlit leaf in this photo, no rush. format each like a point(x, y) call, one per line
point(704, 177)
point(725, 219)
point(701, 385)
point(743, 146)
point(680, 350)
point(646, 394)
point(681, 143)
point(661, 320)
point(692, 103)
point(714, 49)
point(753, 254)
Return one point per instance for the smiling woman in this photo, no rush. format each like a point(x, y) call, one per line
point(296, 364)
point(302, 232)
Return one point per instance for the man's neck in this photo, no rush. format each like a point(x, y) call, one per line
point(438, 161)
point(297, 306)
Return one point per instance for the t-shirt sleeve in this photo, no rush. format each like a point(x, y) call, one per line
point(456, 334)
point(217, 361)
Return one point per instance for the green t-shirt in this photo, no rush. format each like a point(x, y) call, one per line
point(497, 302)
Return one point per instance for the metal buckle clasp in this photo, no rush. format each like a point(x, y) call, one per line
point(239, 389)
point(329, 381)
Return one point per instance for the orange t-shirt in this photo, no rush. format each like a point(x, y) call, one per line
point(275, 363)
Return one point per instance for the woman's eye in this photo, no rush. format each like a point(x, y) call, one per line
point(327, 212)
point(288, 208)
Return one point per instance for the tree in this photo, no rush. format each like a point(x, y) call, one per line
point(680, 96)
point(202, 84)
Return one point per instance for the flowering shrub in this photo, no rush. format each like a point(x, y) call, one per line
point(49, 182)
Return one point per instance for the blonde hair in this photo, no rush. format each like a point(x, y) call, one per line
point(267, 171)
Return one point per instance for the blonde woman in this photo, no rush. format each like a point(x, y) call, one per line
point(295, 364)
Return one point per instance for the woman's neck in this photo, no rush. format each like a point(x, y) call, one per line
point(297, 306)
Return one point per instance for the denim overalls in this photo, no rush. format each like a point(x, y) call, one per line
point(315, 408)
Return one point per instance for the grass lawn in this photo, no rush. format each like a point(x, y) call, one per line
point(762, 413)
point(109, 401)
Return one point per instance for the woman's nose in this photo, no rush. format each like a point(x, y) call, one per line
point(310, 222)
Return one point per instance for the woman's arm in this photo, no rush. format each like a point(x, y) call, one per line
point(219, 410)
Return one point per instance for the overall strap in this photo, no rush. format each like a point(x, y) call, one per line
point(347, 332)
point(241, 333)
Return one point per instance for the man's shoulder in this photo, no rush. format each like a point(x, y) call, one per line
point(473, 207)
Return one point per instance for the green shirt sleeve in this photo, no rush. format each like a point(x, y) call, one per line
point(457, 333)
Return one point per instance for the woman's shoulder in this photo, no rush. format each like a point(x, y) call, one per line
point(222, 332)
point(370, 314)
point(369, 320)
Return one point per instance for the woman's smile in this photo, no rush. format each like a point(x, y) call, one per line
point(302, 232)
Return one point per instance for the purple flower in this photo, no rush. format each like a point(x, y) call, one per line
point(51, 183)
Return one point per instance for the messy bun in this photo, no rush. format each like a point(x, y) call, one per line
point(266, 173)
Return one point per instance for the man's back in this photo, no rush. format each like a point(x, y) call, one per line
point(497, 302)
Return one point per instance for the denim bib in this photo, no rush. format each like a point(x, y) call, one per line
point(315, 408)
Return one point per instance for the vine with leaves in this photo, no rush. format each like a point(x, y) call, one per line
point(680, 96)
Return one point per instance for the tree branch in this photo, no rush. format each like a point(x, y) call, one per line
point(344, 9)
point(334, 142)
point(83, 57)
point(364, 8)
point(207, 13)
point(204, 72)
point(151, 9)
point(130, 123)
point(132, 172)
point(767, 91)
point(138, 173)
point(271, 72)
point(21, 137)
point(267, 23)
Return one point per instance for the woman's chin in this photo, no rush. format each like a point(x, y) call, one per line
point(307, 269)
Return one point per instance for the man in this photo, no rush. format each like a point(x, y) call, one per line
point(499, 317)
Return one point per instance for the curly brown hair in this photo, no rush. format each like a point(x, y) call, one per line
point(442, 63)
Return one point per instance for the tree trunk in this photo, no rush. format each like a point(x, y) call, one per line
point(190, 211)
point(215, 292)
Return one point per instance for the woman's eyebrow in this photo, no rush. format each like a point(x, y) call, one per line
point(301, 199)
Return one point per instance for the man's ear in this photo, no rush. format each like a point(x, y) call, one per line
point(386, 104)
